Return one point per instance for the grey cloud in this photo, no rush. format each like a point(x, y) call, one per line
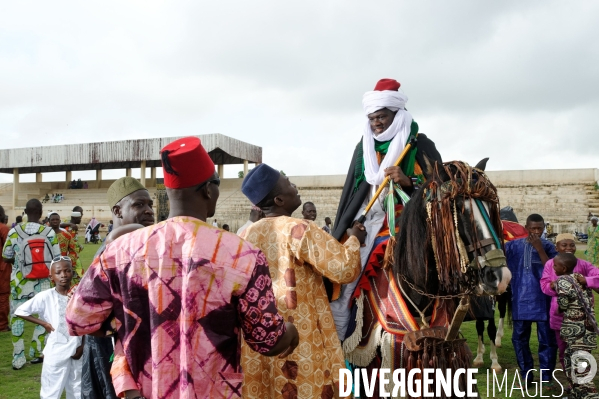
point(483, 78)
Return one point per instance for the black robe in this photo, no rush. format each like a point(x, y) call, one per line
point(351, 200)
point(96, 382)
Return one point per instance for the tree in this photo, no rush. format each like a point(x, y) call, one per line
point(283, 173)
point(240, 174)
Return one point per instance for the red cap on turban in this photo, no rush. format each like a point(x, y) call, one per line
point(186, 163)
point(387, 84)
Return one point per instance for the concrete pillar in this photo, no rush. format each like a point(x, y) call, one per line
point(68, 178)
point(245, 167)
point(38, 177)
point(221, 170)
point(15, 190)
point(142, 176)
point(128, 172)
point(153, 176)
point(98, 178)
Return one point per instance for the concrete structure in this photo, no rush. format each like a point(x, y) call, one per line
point(126, 155)
point(563, 196)
point(233, 208)
point(93, 200)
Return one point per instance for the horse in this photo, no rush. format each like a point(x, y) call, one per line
point(448, 247)
point(482, 308)
point(504, 302)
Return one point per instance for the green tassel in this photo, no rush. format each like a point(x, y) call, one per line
point(403, 196)
point(391, 201)
point(391, 209)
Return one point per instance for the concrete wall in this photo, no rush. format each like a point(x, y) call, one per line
point(93, 201)
point(544, 176)
point(233, 208)
point(563, 196)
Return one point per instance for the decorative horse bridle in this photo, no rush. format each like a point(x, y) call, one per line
point(482, 251)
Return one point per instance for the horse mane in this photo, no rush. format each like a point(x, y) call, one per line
point(428, 237)
point(413, 251)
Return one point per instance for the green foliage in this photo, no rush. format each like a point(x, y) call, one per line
point(596, 187)
point(241, 175)
point(283, 173)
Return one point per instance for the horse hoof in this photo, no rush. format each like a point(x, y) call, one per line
point(478, 362)
point(498, 342)
point(497, 369)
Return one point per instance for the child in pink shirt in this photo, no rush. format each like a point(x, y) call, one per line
point(589, 277)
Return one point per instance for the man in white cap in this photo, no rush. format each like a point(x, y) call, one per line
point(389, 127)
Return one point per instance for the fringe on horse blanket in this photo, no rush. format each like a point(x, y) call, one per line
point(383, 317)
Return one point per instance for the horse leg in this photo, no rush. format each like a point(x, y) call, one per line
point(495, 366)
point(499, 334)
point(502, 305)
point(492, 331)
point(480, 350)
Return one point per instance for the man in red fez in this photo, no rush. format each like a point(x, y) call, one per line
point(181, 291)
point(387, 129)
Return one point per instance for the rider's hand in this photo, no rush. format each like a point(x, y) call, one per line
point(398, 176)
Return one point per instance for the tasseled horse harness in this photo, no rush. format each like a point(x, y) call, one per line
point(440, 347)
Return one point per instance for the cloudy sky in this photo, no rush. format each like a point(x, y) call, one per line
point(516, 81)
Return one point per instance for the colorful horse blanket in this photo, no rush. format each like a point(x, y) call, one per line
point(383, 318)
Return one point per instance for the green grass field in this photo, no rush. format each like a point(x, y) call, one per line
point(25, 383)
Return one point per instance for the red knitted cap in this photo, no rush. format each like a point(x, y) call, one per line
point(387, 84)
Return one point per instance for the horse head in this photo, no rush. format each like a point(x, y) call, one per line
point(450, 239)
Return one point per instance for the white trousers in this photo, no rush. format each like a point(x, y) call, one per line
point(64, 375)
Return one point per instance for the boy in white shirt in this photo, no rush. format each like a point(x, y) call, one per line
point(62, 354)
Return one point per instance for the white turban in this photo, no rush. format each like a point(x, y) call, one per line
point(401, 127)
point(376, 100)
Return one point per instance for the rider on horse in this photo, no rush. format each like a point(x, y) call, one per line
point(389, 127)
point(398, 315)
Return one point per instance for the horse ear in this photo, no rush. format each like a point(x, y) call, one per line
point(482, 164)
point(428, 168)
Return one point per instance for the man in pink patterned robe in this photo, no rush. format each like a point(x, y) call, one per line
point(180, 292)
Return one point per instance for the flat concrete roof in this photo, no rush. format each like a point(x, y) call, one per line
point(223, 150)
